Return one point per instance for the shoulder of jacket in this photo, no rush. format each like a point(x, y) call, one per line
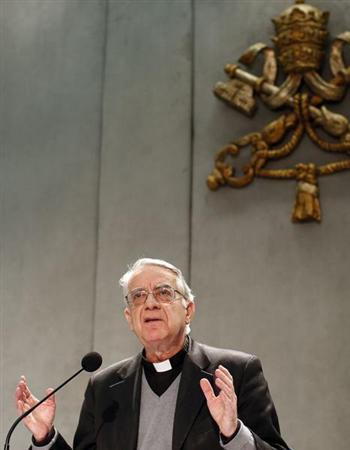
point(114, 370)
point(222, 355)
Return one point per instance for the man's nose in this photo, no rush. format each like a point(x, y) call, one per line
point(151, 301)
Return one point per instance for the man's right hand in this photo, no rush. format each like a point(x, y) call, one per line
point(40, 421)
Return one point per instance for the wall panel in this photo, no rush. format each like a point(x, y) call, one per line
point(270, 287)
point(145, 170)
point(51, 68)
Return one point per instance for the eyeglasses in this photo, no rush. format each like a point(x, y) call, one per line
point(162, 294)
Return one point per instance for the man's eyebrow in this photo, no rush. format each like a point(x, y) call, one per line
point(139, 289)
point(163, 285)
point(156, 286)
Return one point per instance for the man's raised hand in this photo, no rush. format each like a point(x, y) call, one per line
point(40, 421)
point(223, 407)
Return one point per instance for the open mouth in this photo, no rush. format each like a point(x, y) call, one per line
point(152, 319)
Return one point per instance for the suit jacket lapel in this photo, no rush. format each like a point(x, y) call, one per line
point(127, 394)
point(190, 397)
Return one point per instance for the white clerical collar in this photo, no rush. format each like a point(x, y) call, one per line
point(163, 366)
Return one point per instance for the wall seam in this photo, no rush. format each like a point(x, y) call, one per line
point(99, 175)
point(192, 82)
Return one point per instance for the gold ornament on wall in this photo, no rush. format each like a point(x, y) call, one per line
point(300, 47)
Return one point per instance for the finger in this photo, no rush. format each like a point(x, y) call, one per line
point(48, 391)
point(223, 369)
point(24, 387)
point(20, 407)
point(207, 389)
point(226, 376)
point(23, 382)
point(51, 400)
point(29, 400)
point(228, 380)
point(28, 397)
point(224, 388)
point(19, 394)
point(21, 385)
point(225, 373)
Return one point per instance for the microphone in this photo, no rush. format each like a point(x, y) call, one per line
point(90, 362)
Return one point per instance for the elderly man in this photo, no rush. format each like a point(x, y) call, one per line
point(176, 394)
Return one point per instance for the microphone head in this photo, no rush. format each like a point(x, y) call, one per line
point(91, 361)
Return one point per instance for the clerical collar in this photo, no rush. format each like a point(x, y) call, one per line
point(163, 366)
point(174, 362)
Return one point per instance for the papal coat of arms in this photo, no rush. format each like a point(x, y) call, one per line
point(300, 48)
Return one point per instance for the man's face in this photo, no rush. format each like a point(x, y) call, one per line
point(157, 323)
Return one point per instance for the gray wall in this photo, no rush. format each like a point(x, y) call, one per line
point(108, 131)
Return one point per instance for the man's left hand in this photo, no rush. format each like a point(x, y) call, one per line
point(223, 407)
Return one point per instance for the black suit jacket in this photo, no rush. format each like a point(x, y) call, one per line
point(110, 412)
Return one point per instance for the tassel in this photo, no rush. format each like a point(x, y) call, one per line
point(307, 204)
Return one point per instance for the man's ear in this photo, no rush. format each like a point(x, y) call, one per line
point(128, 318)
point(190, 310)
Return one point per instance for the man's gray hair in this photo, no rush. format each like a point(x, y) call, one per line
point(181, 282)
